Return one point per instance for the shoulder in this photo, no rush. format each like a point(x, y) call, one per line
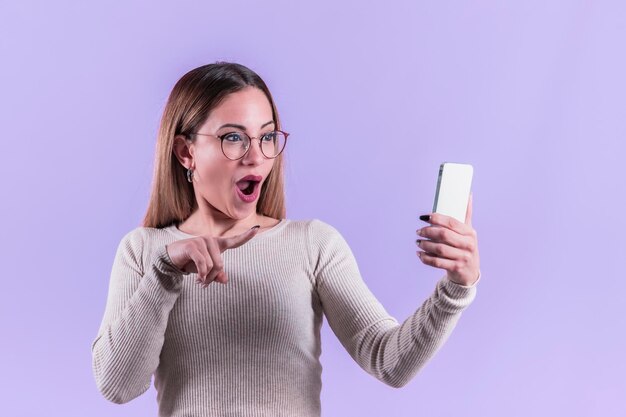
point(319, 234)
point(140, 241)
point(325, 245)
point(140, 236)
point(314, 228)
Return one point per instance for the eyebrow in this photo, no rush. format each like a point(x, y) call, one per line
point(243, 127)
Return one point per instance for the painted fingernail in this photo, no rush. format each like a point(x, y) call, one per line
point(418, 241)
point(425, 217)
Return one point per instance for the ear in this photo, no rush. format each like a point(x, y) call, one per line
point(183, 150)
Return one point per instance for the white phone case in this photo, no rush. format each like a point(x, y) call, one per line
point(453, 190)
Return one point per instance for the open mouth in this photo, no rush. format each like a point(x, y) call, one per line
point(247, 187)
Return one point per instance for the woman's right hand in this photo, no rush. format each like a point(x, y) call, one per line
point(203, 254)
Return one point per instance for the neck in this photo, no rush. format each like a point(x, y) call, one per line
point(215, 223)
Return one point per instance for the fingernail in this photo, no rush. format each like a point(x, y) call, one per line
point(425, 217)
point(255, 227)
point(418, 241)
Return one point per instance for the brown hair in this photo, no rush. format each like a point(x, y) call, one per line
point(172, 199)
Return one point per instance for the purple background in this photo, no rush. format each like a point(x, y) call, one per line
point(375, 96)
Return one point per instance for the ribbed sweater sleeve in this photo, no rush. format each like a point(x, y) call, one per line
point(126, 350)
point(387, 350)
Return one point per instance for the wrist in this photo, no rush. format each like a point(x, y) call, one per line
point(462, 282)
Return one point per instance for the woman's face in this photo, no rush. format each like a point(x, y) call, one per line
point(215, 177)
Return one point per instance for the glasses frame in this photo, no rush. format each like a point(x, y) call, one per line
point(221, 138)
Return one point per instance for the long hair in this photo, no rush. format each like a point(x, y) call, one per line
point(172, 199)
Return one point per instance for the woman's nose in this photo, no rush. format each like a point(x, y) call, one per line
point(254, 153)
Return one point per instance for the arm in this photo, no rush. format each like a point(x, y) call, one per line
point(391, 352)
point(126, 350)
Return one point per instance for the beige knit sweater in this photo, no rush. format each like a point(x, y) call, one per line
point(251, 347)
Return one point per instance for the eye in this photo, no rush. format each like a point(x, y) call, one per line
point(232, 137)
point(269, 137)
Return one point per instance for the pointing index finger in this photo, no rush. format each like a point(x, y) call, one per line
point(236, 241)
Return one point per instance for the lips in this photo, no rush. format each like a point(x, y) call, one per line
point(250, 194)
point(248, 184)
point(251, 177)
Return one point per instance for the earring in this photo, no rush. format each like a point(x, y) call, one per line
point(189, 175)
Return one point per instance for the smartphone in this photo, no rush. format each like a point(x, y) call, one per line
point(453, 190)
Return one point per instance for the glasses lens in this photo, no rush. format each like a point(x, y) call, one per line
point(235, 144)
point(273, 143)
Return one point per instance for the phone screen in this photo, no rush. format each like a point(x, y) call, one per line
point(453, 190)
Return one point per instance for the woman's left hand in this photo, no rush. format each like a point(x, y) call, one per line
point(453, 246)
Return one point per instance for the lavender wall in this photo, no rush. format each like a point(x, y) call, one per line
point(375, 96)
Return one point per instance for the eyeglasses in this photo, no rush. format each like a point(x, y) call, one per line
point(236, 144)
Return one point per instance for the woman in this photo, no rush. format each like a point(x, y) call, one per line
point(250, 344)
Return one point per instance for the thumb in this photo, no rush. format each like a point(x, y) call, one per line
point(236, 241)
